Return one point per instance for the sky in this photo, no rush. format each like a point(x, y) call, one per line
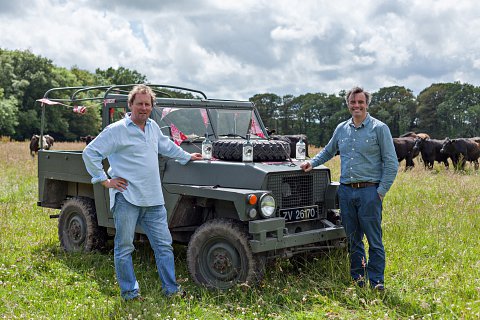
point(234, 49)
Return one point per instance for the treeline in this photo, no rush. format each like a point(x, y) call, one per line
point(441, 110)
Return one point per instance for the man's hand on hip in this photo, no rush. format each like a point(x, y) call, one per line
point(117, 183)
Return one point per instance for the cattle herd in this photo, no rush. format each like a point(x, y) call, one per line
point(459, 150)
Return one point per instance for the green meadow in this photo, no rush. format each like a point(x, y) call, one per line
point(431, 234)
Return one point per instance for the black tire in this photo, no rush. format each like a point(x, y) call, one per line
point(78, 230)
point(219, 256)
point(263, 150)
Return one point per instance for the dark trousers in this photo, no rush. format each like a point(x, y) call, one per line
point(361, 211)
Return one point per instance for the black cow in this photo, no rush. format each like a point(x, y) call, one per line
point(461, 150)
point(430, 151)
point(292, 140)
point(404, 151)
point(48, 142)
point(87, 139)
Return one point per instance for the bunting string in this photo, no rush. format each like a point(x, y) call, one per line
point(76, 109)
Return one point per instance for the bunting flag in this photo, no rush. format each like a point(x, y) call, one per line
point(79, 109)
point(204, 117)
point(76, 109)
point(177, 135)
point(49, 102)
point(256, 130)
point(106, 101)
point(166, 111)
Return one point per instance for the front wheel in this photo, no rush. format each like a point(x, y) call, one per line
point(78, 230)
point(219, 256)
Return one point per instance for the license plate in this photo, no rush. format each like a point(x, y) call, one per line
point(299, 214)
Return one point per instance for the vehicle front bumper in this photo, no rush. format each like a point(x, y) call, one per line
point(270, 235)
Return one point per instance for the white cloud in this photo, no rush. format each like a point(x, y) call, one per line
point(235, 49)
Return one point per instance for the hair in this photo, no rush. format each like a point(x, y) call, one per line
point(141, 88)
point(356, 90)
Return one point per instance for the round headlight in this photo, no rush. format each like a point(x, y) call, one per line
point(267, 206)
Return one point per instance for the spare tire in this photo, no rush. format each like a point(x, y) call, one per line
point(263, 150)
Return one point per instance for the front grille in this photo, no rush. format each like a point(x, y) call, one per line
point(292, 190)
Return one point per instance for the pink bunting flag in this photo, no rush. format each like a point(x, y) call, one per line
point(107, 101)
point(204, 117)
point(76, 109)
point(256, 130)
point(177, 135)
point(166, 111)
point(79, 109)
point(49, 102)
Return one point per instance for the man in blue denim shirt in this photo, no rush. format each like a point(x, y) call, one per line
point(368, 168)
point(132, 146)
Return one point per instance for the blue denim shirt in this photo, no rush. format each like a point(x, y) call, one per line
point(367, 153)
point(133, 155)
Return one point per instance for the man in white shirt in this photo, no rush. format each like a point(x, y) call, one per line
point(132, 145)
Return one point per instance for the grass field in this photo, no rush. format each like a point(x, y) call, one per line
point(431, 234)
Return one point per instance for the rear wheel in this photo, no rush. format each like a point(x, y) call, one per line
point(219, 256)
point(78, 230)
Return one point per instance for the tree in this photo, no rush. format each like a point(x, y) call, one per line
point(427, 117)
point(268, 107)
point(25, 78)
point(473, 119)
point(396, 107)
point(86, 78)
point(448, 109)
point(317, 115)
point(121, 76)
point(286, 115)
point(8, 115)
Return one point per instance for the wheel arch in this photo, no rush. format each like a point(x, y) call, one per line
point(55, 192)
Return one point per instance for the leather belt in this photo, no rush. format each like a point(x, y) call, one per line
point(357, 185)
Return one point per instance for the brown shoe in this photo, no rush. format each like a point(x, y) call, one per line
point(137, 298)
point(180, 293)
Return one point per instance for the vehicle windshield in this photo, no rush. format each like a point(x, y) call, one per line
point(195, 122)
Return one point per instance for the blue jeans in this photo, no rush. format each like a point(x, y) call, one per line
point(153, 220)
point(361, 211)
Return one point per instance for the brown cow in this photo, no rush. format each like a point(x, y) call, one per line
point(412, 134)
point(35, 143)
point(476, 139)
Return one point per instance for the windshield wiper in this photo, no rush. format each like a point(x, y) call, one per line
point(232, 135)
point(195, 138)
